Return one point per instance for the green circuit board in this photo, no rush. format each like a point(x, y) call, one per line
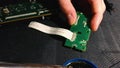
point(81, 32)
point(22, 11)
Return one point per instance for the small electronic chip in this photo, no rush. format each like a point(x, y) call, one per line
point(81, 32)
point(22, 11)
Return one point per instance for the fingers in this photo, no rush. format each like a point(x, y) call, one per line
point(69, 10)
point(98, 8)
point(95, 21)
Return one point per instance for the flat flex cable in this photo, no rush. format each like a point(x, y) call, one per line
point(77, 36)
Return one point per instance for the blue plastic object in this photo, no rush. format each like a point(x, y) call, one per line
point(80, 60)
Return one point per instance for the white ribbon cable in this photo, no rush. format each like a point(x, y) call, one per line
point(51, 30)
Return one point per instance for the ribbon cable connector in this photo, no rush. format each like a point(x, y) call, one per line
point(77, 36)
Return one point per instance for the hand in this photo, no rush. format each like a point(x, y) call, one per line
point(97, 10)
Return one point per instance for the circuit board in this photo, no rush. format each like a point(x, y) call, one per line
point(81, 32)
point(28, 10)
point(22, 11)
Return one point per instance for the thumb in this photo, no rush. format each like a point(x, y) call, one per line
point(69, 10)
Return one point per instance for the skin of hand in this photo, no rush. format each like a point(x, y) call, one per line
point(97, 10)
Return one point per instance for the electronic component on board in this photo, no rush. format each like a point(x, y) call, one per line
point(22, 11)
